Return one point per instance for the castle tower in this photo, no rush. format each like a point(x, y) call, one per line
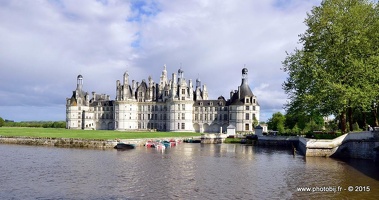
point(77, 108)
point(243, 109)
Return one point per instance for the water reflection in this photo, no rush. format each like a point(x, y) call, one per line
point(187, 171)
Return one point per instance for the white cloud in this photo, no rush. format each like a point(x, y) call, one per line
point(46, 44)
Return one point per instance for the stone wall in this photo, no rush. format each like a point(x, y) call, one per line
point(59, 142)
point(78, 143)
point(360, 145)
point(277, 141)
point(209, 138)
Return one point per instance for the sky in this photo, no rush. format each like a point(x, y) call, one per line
point(46, 44)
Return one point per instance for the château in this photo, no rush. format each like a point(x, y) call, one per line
point(169, 105)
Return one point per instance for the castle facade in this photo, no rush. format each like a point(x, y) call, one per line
point(169, 105)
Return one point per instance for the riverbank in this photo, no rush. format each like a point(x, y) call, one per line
point(80, 143)
point(98, 139)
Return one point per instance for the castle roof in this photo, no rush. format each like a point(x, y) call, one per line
point(244, 91)
point(220, 102)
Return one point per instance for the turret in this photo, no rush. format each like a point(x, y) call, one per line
point(79, 85)
point(174, 86)
point(133, 86)
point(126, 78)
point(180, 76)
point(86, 99)
point(190, 86)
point(244, 76)
point(118, 90)
point(198, 83)
point(94, 96)
point(205, 92)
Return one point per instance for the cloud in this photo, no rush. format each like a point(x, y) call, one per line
point(46, 44)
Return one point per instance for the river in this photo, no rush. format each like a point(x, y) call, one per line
point(187, 171)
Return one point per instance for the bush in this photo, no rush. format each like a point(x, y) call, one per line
point(2, 122)
point(356, 127)
point(322, 135)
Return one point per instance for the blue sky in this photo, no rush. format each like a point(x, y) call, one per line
point(46, 44)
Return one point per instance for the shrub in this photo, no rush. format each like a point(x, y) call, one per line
point(2, 122)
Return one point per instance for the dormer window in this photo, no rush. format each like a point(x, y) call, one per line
point(247, 100)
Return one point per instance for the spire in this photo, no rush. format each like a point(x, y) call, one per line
point(163, 80)
point(244, 75)
point(244, 89)
point(164, 71)
point(126, 78)
point(79, 80)
point(198, 82)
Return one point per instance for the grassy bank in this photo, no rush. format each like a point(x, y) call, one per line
point(86, 134)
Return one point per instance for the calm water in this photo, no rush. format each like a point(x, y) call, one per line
point(187, 171)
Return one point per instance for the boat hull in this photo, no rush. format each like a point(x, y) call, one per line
point(123, 146)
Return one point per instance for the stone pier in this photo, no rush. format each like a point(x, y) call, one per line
point(362, 145)
point(213, 138)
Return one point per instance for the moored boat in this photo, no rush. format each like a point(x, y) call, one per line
point(150, 144)
point(160, 146)
point(123, 146)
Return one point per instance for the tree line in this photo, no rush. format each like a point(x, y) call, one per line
point(36, 124)
point(291, 124)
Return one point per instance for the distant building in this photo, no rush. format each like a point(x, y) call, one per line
point(169, 105)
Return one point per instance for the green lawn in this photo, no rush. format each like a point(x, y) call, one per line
point(86, 134)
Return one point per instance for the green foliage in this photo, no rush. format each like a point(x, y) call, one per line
point(332, 126)
point(295, 129)
point(356, 127)
point(2, 122)
point(37, 124)
point(276, 122)
point(54, 125)
point(289, 124)
point(255, 121)
point(312, 126)
point(337, 66)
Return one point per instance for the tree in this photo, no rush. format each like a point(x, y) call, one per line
point(336, 70)
point(276, 122)
point(2, 122)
